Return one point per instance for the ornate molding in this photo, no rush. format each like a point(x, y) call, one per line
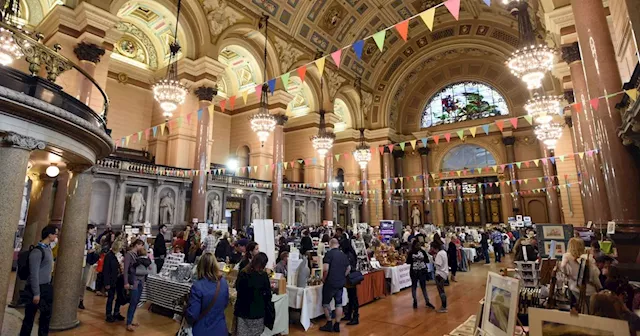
point(12, 139)
point(367, 102)
point(131, 29)
point(205, 93)
point(335, 82)
point(219, 15)
point(571, 53)
point(281, 119)
point(88, 52)
point(509, 140)
point(287, 54)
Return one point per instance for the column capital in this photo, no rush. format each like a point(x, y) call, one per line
point(424, 151)
point(398, 154)
point(88, 52)
point(571, 53)
point(281, 119)
point(12, 139)
point(509, 140)
point(205, 93)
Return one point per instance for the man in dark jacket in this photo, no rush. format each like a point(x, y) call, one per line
point(484, 242)
point(111, 275)
point(160, 248)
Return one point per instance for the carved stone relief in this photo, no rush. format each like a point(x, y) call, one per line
point(335, 81)
point(219, 15)
point(287, 54)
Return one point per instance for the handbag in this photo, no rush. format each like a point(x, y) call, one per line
point(186, 329)
point(355, 277)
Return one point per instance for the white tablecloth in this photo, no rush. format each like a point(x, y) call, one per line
point(399, 276)
point(281, 324)
point(471, 253)
point(309, 301)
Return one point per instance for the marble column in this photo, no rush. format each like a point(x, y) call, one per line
point(424, 160)
point(512, 175)
point(199, 189)
point(398, 156)
point(460, 205)
point(60, 198)
point(364, 189)
point(483, 209)
point(387, 196)
point(553, 201)
point(603, 78)
point(68, 270)
point(15, 150)
point(89, 55)
point(583, 133)
point(328, 179)
point(278, 159)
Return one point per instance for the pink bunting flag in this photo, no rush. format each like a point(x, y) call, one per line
point(403, 29)
point(337, 56)
point(146, 133)
point(447, 136)
point(595, 102)
point(454, 8)
point(188, 119)
point(223, 103)
point(259, 91)
point(514, 122)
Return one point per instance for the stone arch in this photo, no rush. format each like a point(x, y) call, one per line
point(343, 112)
point(247, 36)
point(243, 155)
point(485, 143)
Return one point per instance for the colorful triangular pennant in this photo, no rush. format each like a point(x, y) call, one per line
point(337, 56)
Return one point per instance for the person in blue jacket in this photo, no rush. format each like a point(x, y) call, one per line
point(205, 317)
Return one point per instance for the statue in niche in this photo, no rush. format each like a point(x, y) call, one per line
point(136, 214)
point(255, 210)
point(415, 216)
point(167, 206)
point(214, 210)
point(303, 214)
point(353, 215)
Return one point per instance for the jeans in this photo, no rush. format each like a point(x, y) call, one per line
point(352, 308)
point(111, 294)
point(135, 299)
point(485, 251)
point(45, 305)
point(498, 251)
point(421, 278)
point(443, 296)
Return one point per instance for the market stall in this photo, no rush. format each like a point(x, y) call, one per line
point(371, 288)
point(309, 301)
point(399, 276)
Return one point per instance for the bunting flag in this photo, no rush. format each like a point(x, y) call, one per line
point(301, 72)
point(447, 136)
point(245, 95)
point(485, 128)
point(357, 48)
point(436, 138)
point(232, 102)
point(188, 118)
point(154, 129)
point(320, 64)
point(413, 144)
point(146, 133)
point(337, 56)
point(529, 119)
point(199, 117)
point(461, 134)
point(595, 102)
point(578, 107)
point(403, 29)
point(127, 138)
point(272, 85)
point(379, 39)
point(258, 91)
point(473, 130)
point(285, 80)
point(162, 126)
point(402, 145)
point(514, 122)
point(428, 17)
point(454, 8)
point(500, 124)
point(633, 94)
point(223, 103)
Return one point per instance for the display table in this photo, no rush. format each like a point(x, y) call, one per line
point(371, 288)
point(309, 301)
point(399, 276)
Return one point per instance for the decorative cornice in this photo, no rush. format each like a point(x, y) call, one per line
point(205, 93)
point(571, 52)
point(509, 140)
point(88, 52)
point(12, 139)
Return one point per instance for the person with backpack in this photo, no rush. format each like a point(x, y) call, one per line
point(133, 279)
point(37, 272)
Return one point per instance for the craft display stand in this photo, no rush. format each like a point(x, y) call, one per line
point(529, 273)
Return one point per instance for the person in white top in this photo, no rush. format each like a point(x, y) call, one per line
point(441, 265)
point(570, 266)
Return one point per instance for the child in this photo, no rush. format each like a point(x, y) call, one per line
point(441, 264)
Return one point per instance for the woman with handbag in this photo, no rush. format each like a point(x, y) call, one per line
point(134, 277)
point(352, 309)
point(253, 304)
point(418, 260)
point(208, 298)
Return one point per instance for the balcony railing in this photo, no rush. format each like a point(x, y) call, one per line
point(143, 168)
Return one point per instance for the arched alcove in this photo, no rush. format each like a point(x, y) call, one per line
point(100, 203)
point(242, 71)
point(341, 110)
point(467, 156)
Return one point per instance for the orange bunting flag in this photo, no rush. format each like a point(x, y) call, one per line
point(403, 29)
point(337, 56)
point(500, 124)
point(436, 139)
point(301, 72)
point(232, 102)
point(514, 122)
point(578, 107)
point(223, 103)
point(454, 8)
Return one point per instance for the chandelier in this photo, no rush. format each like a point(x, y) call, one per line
point(549, 134)
point(323, 141)
point(263, 123)
point(543, 108)
point(362, 154)
point(169, 92)
point(9, 49)
point(532, 60)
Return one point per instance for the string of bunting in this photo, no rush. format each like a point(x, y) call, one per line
point(595, 102)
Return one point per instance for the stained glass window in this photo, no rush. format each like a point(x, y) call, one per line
point(463, 101)
point(467, 157)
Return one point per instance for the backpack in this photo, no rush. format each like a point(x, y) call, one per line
point(23, 262)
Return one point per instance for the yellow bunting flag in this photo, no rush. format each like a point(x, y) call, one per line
point(162, 126)
point(320, 64)
point(581, 155)
point(413, 143)
point(245, 95)
point(633, 94)
point(428, 16)
point(536, 161)
point(473, 130)
point(127, 141)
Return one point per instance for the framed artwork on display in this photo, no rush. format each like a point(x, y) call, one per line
point(476, 330)
point(560, 248)
point(501, 305)
point(543, 322)
point(553, 232)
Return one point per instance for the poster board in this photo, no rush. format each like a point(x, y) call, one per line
point(500, 310)
point(545, 233)
point(264, 236)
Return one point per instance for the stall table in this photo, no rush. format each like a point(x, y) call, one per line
point(371, 288)
point(309, 301)
point(399, 276)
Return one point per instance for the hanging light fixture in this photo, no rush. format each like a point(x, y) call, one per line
point(169, 92)
point(323, 141)
point(549, 134)
point(362, 154)
point(263, 123)
point(9, 49)
point(532, 60)
point(543, 108)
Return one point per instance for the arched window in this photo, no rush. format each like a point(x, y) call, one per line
point(467, 157)
point(463, 101)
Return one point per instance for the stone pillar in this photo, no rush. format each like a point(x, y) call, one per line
point(60, 198)
point(398, 156)
point(278, 159)
point(583, 133)
point(68, 270)
point(199, 189)
point(89, 55)
point(553, 201)
point(15, 150)
point(364, 189)
point(424, 160)
point(460, 205)
point(387, 196)
point(483, 209)
point(328, 179)
point(603, 78)
point(512, 175)
point(438, 215)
